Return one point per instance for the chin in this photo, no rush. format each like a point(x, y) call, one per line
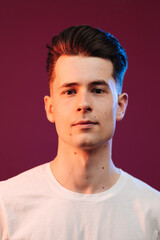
point(88, 144)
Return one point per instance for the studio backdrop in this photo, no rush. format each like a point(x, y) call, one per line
point(27, 139)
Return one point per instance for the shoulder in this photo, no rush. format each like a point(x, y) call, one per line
point(141, 191)
point(138, 185)
point(24, 182)
point(144, 199)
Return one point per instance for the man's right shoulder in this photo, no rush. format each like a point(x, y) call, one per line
point(23, 182)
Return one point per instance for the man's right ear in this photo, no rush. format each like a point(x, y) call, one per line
point(49, 108)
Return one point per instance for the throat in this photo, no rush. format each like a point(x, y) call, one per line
point(84, 179)
point(85, 171)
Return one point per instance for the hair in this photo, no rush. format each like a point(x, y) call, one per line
point(85, 40)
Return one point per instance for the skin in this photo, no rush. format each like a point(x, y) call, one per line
point(84, 90)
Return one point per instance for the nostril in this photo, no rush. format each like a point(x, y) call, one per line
point(84, 109)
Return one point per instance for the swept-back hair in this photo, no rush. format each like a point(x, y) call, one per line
point(85, 40)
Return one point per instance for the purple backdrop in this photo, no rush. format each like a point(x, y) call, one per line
point(27, 138)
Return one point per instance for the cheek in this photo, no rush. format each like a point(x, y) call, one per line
point(110, 117)
point(62, 118)
point(115, 111)
point(111, 109)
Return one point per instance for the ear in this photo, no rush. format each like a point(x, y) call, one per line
point(49, 108)
point(122, 106)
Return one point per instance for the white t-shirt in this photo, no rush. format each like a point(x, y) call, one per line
point(34, 206)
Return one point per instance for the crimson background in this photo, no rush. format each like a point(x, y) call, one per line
point(27, 138)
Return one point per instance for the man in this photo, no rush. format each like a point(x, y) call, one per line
point(81, 194)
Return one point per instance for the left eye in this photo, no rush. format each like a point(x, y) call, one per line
point(98, 90)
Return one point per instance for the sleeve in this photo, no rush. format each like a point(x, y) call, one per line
point(3, 223)
point(158, 217)
point(158, 235)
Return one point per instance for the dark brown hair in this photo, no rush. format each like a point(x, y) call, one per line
point(88, 41)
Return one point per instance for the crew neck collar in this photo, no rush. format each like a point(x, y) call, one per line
point(115, 189)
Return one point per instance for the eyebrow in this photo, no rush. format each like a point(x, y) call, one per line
point(94, 83)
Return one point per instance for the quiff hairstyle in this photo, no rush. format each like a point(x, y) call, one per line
point(87, 41)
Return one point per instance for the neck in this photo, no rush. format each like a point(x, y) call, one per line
point(85, 171)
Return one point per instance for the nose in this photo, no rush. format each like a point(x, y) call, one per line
point(84, 103)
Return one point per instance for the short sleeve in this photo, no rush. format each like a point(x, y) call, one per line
point(3, 223)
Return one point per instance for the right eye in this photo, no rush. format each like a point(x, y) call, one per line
point(70, 92)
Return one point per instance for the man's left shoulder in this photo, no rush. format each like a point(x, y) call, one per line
point(142, 189)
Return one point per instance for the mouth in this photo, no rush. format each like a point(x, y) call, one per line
point(85, 124)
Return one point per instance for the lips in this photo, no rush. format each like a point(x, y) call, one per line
point(88, 122)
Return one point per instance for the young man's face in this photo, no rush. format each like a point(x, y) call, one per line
point(84, 101)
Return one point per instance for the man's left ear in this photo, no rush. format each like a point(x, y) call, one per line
point(122, 106)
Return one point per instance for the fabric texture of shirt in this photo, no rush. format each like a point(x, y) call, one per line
point(35, 206)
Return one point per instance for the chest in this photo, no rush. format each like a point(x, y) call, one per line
point(70, 220)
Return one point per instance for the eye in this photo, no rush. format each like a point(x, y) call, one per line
point(70, 92)
point(97, 90)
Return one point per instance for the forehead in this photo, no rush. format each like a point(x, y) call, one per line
point(80, 68)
